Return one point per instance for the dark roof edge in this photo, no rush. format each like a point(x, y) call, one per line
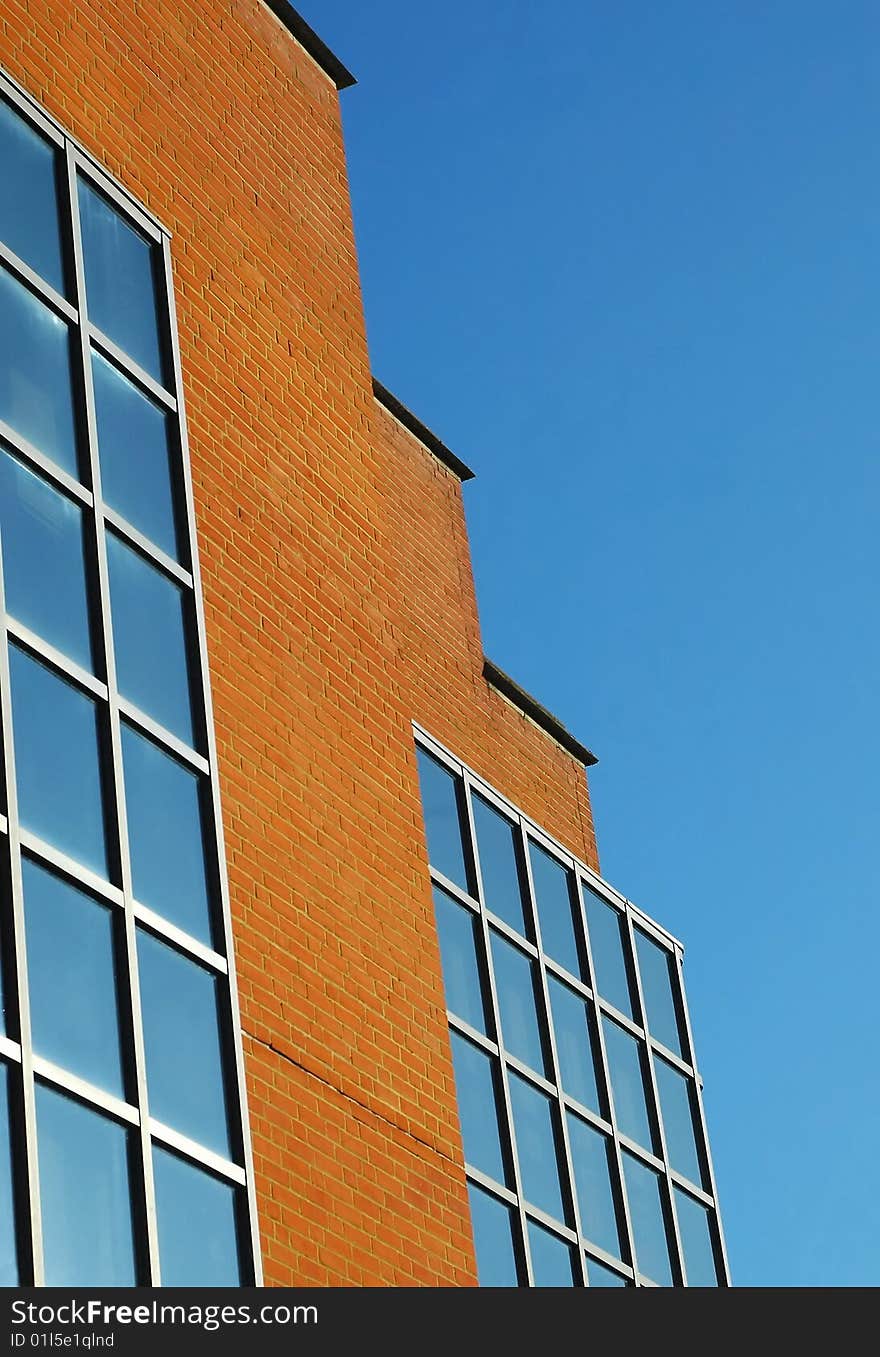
point(421, 431)
point(540, 715)
point(308, 38)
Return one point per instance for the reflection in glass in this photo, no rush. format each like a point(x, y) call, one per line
point(460, 945)
point(496, 846)
point(36, 392)
point(519, 1002)
point(591, 1158)
point(56, 762)
point(72, 979)
point(475, 1086)
point(553, 1260)
point(85, 1195)
point(136, 458)
point(555, 909)
point(120, 280)
point(628, 1087)
point(165, 835)
point(657, 971)
point(8, 1251)
point(44, 570)
point(196, 1215)
point(29, 203)
point(440, 804)
point(600, 1275)
point(678, 1109)
point(492, 1222)
point(644, 1194)
point(537, 1147)
point(184, 1076)
point(695, 1231)
point(149, 636)
point(607, 931)
point(573, 1026)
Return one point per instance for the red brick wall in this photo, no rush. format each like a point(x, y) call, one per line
point(330, 627)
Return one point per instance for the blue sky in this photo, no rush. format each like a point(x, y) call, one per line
point(623, 258)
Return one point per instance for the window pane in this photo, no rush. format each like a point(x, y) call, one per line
point(461, 943)
point(555, 909)
point(85, 1194)
point(573, 1025)
point(149, 636)
point(600, 1275)
point(198, 1240)
point(553, 1260)
point(628, 1087)
point(57, 762)
point(182, 1040)
point(36, 392)
point(120, 281)
point(29, 204)
point(643, 1192)
point(519, 1003)
point(493, 1239)
point(136, 457)
point(677, 1107)
point(476, 1089)
point(44, 569)
point(72, 979)
point(593, 1170)
point(656, 968)
point(440, 803)
point(165, 835)
point(695, 1230)
point(8, 1251)
point(537, 1147)
point(607, 942)
point(496, 846)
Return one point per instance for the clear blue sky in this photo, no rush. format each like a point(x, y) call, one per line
point(623, 258)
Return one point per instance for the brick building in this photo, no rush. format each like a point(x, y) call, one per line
point(230, 973)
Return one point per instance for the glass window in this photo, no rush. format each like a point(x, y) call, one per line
point(183, 1044)
point(600, 1275)
point(442, 810)
point(85, 1195)
point(72, 979)
point(499, 871)
point(149, 637)
point(29, 202)
point(492, 1221)
point(519, 1002)
point(626, 1066)
point(461, 945)
point(644, 1194)
point(165, 835)
point(196, 1216)
point(695, 1230)
point(8, 1251)
point(44, 568)
point(573, 1025)
point(608, 942)
point(36, 392)
point(477, 1091)
point(134, 444)
point(659, 983)
point(553, 1260)
point(537, 1144)
point(57, 762)
point(678, 1109)
point(591, 1157)
point(121, 268)
point(555, 903)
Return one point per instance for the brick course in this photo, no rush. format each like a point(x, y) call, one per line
point(339, 607)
